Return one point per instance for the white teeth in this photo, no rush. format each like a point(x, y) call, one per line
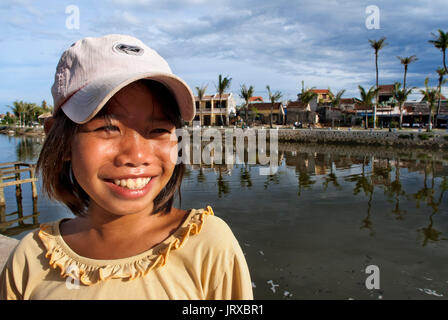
point(133, 184)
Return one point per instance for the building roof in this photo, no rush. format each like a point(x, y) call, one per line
point(256, 98)
point(421, 108)
point(386, 88)
point(320, 90)
point(296, 104)
point(265, 105)
point(347, 100)
point(215, 97)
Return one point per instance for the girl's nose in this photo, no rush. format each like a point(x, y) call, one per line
point(134, 151)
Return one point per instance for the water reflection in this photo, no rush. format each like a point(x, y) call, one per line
point(28, 148)
point(373, 173)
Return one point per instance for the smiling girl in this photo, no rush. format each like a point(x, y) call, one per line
point(108, 157)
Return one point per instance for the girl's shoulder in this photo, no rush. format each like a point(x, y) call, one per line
point(214, 234)
point(30, 251)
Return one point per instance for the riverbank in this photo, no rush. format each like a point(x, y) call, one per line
point(23, 131)
point(437, 139)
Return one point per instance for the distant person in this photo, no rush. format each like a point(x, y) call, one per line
point(107, 157)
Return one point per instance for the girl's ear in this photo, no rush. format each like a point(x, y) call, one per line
point(48, 123)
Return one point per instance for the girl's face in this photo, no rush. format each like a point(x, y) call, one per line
point(124, 163)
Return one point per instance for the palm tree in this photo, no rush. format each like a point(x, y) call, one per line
point(377, 45)
point(406, 61)
point(335, 102)
point(441, 72)
point(307, 96)
point(430, 95)
point(254, 114)
point(441, 43)
point(246, 94)
point(401, 95)
point(366, 100)
point(223, 85)
point(19, 109)
point(274, 98)
point(201, 93)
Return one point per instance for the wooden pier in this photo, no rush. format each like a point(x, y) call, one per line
point(12, 174)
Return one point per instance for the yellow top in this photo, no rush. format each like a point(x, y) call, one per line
point(200, 260)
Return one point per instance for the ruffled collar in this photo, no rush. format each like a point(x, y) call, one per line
point(91, 271)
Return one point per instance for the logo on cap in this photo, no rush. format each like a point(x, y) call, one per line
point(128, 49)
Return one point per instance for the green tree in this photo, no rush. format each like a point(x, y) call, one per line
point(377, 45)
point(430, 95)
point(366, 100)
point(246, 94)
point(441, 72)
point(223, 85)
point(273, 98)
point(335, 101)
point(201, 92)
point(254, 114)
point(406, 61)
point(307, 96)
point(401, 95)
point(440, 41)
point(19, 109)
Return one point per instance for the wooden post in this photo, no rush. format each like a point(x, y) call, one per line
point(18, 193)
point(34, 191)
point(2, 205)
point(10, 175)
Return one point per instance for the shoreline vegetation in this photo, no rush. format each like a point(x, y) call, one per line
point(32, 131)
point(436, 139)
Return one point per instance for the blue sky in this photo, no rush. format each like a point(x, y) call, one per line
point(255, 42)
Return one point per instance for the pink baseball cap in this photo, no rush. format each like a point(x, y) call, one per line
point(92, 70)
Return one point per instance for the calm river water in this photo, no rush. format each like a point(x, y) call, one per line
point(311, 230)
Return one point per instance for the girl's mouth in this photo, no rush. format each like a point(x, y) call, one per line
point(133, 184)
point(130, 188)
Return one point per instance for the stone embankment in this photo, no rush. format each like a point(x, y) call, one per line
point(405, 138)
point(23, 131)
point(364, 137)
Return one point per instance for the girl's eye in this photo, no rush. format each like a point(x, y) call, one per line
point(160, 130)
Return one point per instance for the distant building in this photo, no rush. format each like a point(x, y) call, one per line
point(347, 104)
point(323, 95)
point(261, 111)
point(385, 93)
point(417, 113)
point(297, 111)
point(215, 111)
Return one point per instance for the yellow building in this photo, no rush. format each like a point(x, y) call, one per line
point(215, 110)
point(323, 95)
point(262, 111)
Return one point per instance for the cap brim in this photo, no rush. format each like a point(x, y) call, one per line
point(84, 104)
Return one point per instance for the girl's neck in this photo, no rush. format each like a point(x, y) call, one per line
point(110, 226)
